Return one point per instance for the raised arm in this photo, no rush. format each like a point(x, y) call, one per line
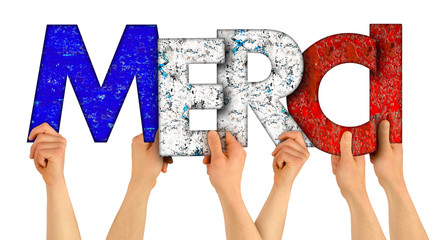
point(48, 153)
point(289, 157)
point(350, 176)
point(146, 166)
point(404, 222)
point(225, 172)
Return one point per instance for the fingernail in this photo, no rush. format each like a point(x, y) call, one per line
point(212, 134)
point(347, 135)
point(386, 124)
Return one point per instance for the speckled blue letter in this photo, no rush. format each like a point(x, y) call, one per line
point(64, 55)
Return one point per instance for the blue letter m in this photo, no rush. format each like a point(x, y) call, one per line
point(64, 54)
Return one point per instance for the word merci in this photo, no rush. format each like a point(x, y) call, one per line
point(160, 67)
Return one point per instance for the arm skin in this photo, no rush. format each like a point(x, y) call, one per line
point(225, 172)
point(404, 222)
point(146, 166)
point(350, 176)
point(48, 153)
point(289, 157)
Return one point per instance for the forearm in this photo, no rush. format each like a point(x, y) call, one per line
point(364, 223)
point(131, 218)
point(270, 222)
point(61, 220)
point(238, 222)
point(404, 222)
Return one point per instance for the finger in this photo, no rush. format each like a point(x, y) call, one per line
point(43, 128)
point(360, 160)
point(168, 160)
point(45, 138)
point(37, 165)
point(333, 166)
point(280, 161)
point(287, 149)
point(156, 143)
point(289, 143)
point(335, 163)
point(206, 160)
point(346, 145)
point(397, 147)
point(48, 152)
point(214, 143)
point(164, 168)
point(295, 135)
point(383, 135)
point(335, 160)
point(283, 158)
point(47, 145)
point(138, 142)
point(208, 169)
point(41, 156)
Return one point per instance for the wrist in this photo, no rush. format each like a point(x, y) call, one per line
point(358, 196)
point(396, 189)
point(283, 187)
point(141, 185)
point(281, 193)
point(60, 183)
point(57, 188)
point(393, 185)
point(229, 193)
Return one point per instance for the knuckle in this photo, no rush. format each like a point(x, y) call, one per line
point(280, 155)
point(295, 134)
point(40, 152)
point(35, 145)
point(62, 146)
point(59, 151)
point(39, 138)
point(135, 140)
point(280, 147)
point(45, 126)
point(307, 153)
point(288, 141)
point(243, 151)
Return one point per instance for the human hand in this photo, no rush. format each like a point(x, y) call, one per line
point(349, 170)
point(388, 159)
point(146, 162)
point(225, 168)
point(48, 153)
point(289, 158)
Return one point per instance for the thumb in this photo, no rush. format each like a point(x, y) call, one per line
point(229, 139)
point(383, 135)
point(214, 142)
point(346, 145)
point(232, 145)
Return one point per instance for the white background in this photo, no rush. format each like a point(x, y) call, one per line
point(184, 205)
